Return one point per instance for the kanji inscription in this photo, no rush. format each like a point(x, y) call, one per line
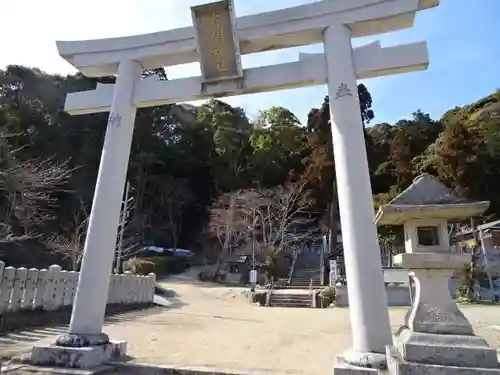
point(342, 92)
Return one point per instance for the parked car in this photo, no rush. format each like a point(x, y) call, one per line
point(177, 252)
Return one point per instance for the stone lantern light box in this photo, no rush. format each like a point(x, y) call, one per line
point(424, 209)
point(436, 338)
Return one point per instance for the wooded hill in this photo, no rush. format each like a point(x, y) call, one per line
point(184, 159)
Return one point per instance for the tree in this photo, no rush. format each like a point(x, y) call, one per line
point(227, 224)
point(70, 243)
point(278, 144)
point(230, 129)
point(275, 214)
point(175, 197)
point(391, 237)
point(401, 159)
point(28, 192)
point(215, 150)
point(319, 169)
point(455, 160)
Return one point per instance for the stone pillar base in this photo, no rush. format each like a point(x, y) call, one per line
point(398, 366)
point(446, 350)
point(354, 363)
point(77, 357)
point(437, 338)
point(342, 368)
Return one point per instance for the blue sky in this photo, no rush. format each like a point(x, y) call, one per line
point(462, 37)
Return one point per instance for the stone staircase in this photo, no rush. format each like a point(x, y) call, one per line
point(290, 300)
point(306, 278)
point(306, 275)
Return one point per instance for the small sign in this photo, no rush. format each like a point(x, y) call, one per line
point(253, 276)
point(218, 45)
point(333, 272)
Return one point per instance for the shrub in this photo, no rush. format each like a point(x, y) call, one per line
point(271, 264)
point(139, 266)
point(259, 297)
point(327, 295)
point(468, 278)
point(168, 265)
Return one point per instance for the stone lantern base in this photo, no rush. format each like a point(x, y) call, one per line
point(437, 338)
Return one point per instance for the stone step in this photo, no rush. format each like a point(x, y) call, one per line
point(297, 271)
point(303, 287)
point(306, 277)
point(291, 300)
point(306, 270)
point(304, 282)
point(290, 295)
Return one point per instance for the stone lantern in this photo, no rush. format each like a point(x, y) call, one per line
point(436, 337)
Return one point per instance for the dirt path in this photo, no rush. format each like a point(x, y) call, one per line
point(213, 326)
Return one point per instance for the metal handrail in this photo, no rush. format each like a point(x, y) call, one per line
point(269, 293)
point(292, 266)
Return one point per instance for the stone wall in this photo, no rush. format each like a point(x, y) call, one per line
point(39, 296)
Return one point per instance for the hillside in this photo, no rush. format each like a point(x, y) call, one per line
point(181, 164)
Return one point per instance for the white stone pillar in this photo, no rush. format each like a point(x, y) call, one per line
point(367, 298)
point(92, 291)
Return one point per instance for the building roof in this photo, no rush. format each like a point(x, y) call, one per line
point(427, 197)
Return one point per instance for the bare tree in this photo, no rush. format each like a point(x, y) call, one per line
point(27, 192)
point(227, 223)
point(30, 185)
point(70, 243)
point(277, 213)
point(7, 236)
point(269, 216)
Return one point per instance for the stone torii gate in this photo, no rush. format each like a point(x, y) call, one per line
point(217, 40)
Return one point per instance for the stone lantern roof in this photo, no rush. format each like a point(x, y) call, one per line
point(425, 198)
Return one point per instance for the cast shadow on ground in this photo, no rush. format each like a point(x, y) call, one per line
point(193, 280)
point(167, 298)
point(19, 341)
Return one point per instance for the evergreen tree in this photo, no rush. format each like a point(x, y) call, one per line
point(401, 159)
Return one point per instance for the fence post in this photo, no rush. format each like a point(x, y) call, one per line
point(152, 285)
point(18, 289)
point(49, 302)
point(9, 273)
point(30, 290)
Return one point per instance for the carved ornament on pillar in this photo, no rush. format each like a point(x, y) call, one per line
point(343, 91)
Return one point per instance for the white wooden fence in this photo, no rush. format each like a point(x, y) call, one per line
point(52, 289)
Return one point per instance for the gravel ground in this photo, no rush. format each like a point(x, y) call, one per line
point(214, 327)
